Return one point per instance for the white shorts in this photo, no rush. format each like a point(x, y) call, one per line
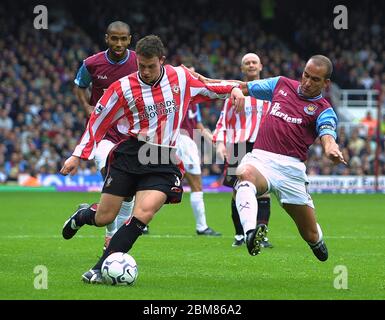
point(286, 176)
point(101, 153)
point(187, 151)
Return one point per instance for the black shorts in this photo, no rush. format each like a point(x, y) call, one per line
point(235, 152)
point(126, 175)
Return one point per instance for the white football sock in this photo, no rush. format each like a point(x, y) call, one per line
point(111, 229)
point(247, 205)
point(198, 206)
point(124, 213)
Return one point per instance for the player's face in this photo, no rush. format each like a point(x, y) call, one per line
point(313, 79)
point(251, 67)
point(118, 41)
point(149, 68)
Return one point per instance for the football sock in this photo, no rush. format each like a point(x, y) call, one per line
point(198, 206)
point(123, 239)
point(124, 213)
point(87, 216)
point(235, 217)
point(111, 229)
point(263, 211)
point(247, 205)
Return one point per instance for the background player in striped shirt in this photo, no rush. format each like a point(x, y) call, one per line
point(234, 135)
point(187, 151)
point(151, 104)
point(98, 72)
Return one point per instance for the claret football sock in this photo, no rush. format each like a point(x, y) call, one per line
point(263, 211)
point(235, 217)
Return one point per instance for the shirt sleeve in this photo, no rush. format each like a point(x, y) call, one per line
point(108, 110)
point(262, 89)
point(217, 90)
point(83, 78)
point(327, 123)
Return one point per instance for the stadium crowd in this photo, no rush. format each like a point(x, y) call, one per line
point(41, 120)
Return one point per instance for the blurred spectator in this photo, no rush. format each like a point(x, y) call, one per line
point(370, 123)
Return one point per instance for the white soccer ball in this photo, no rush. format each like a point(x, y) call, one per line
point(119, 269)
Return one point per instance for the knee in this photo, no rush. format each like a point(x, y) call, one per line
point(144, 214)
point(246, 172)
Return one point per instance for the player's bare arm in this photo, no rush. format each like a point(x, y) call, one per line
point(83, 97)
point(331, 149)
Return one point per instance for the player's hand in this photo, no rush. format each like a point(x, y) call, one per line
point(221, 150)
point(335, 155)
point(237, 99)
point(70, 166)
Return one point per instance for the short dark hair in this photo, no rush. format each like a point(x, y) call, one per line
point(150, 46)
point(321, 60)
point(116, 25)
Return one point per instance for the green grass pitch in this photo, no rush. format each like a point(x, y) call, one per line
point(175, 263)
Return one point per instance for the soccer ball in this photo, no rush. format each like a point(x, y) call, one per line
point(119, 269)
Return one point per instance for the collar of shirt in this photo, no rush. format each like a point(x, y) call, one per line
point(307, 98)
point(157, 81)
point(117, 62)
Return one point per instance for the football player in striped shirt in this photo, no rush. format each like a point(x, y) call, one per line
point(149, 105)
point(234, 136)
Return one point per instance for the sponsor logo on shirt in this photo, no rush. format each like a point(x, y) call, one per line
point(275, 112)
point(102, 77)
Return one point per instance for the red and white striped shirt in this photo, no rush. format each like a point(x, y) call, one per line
point(239, 127)
point(151, 113)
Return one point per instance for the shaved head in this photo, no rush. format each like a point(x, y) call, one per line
point(251, 66)
point(250, 55)
point(325, 62)
point(117, 25)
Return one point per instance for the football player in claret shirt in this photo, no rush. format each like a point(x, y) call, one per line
point(234, 136)
point(98, 72)
point(297, 116)
point(150, 105)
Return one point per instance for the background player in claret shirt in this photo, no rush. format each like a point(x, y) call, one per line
point(98, 72)
point(234, 135)
point(187, 151)
point(151, 103)
point(298, 115)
